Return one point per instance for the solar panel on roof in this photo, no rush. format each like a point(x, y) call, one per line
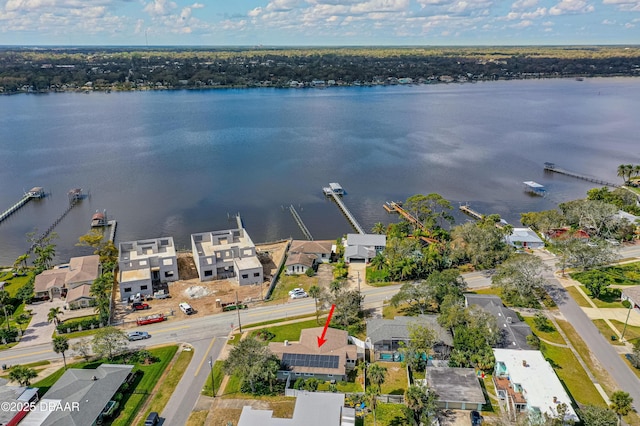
point(308, 360)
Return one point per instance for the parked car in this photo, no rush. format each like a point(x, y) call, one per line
point(186, 308)
point(161, 294)
point(296, 290)
point(299, 295)
point(135, 298)
point(139, 306)
point(152, 419)
point(138, 335)
point(476, 418)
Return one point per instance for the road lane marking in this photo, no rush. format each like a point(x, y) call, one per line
point(26, 355)
point(172, 329)
point(205, 357)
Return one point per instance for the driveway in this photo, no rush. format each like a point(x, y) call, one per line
point(40, 329)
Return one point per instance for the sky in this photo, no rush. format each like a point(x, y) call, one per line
point(318, 22)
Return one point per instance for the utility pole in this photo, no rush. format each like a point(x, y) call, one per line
point(238, 310)
point(626, 321)
point(213, 383)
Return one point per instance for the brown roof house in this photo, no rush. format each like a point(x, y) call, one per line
point(71, 281)
point(307, 254)
point(331, 361)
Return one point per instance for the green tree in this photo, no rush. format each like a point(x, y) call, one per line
point(311, 384)
point(54, 315)
point(542, 323)
point(420, 344)
point(109, 342)
point(248, 360)
point(315, 291)
point(101, 291)
point(592, 415)
point(5, 300)
point(621, 404)
point(371, 399)
point(520, 278)
point(348, 311)
point(22, 375)
point(60, 346)
point(379, 228)
point(20, 265)
point(83, 348)
point(310, 272)
point(376, 374)
point(597, 283)
point(582, 255)
point(421, 406)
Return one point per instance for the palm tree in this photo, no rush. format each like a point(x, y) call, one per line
point(21, 263)
point(379, 228)
point(621, 404)
point(22, 375)
point(378, 262)
point(414, 400)
point(45, 255)
point(622, 172)
point(101, 291)
point(53, 314)
point(314, 291)
point(335, 286)
point(371, 397)
point(4, 302)
point(60, 346)
point(377, 375)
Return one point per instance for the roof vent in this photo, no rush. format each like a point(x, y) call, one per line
point(509, 320)
point(286, 343)
point(94, 378)
point(524, 363)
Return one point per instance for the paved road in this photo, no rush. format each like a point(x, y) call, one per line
point(207, 336)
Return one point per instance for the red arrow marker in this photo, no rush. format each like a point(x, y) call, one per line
point(321, 339)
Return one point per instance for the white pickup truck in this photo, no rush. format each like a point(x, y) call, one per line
point(161, 295)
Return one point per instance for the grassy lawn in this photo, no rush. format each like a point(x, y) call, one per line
point(233, 387)
point(493, 406)
point(169, 384)
point(387, 415)
point(550, 336)
point(636, 371)
point(628, 274)
point(490, 290)
point(343, 387)
point(572, 376)
point(13, 284)
point(77, 334)
point(218, 375)
point(277, 321)
point(376, 277)
point(143, 384)
point(289, 282)
point(631, 333)
point(396, 381)
point(288, 331)
point(609, 299)
point(197, 418)
point(606, 331)
point(578, 297)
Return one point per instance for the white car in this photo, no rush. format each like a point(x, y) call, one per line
point(299, 295)
point(296, 290)
point(138, 335)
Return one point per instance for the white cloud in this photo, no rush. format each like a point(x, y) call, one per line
point(524, 4)
point(254, 12)
point(608, 22)
point(522, 24)
point(625, 5)
point(159, 7)
point(282, 5)
point(380, 6)
point(571, 7)
point(197, 6)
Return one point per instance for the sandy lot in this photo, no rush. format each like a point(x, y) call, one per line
point(204, 297)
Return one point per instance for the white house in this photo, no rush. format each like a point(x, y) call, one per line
point(226, 254)
point(361, 248)
point(307, 254)
point(526, 382)
point(524, 238)
point(145, 263)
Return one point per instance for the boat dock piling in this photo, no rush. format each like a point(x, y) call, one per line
point(468, 210)
point(112, 224)
point(36, 192)
point(394, 207)
point(300, 223)
point(329, 191)
point(551, 167)
point(75, 195)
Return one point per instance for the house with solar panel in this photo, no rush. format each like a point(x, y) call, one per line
point(331, 361)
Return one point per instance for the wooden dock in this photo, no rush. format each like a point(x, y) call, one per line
point(112, 224)
point(551, 167)
point(300, 223)
point(393, 207)
point(328, 191)
point(73, 201)
point(469, 211)
point(37, 192)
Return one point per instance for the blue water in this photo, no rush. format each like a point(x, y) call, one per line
point(175, 163)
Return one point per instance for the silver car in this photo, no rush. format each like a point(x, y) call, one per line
point(138, 335)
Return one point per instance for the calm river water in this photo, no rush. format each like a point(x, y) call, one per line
point(179, 162)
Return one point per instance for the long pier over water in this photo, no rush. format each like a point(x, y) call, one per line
point(36, 192)
point(334, 190)
point(551, 167)
point(300, 223)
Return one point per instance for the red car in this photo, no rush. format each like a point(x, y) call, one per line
point(139, 306)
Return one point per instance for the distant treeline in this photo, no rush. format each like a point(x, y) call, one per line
point(102, 68)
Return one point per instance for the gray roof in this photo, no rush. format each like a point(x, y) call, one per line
point(379, 330)
point(455, 384)
point(369, 240)
point(632, 293)
point(514, 331)
point(358, 252)
point(92, 389)
point(311, 409)
point(525, 235)
point(13, 395)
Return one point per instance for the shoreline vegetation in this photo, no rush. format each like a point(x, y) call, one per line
point(87, 69)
